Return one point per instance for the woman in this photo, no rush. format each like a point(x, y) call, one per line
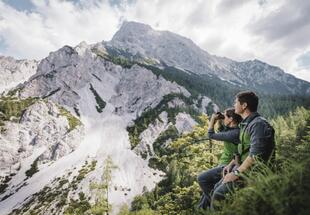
point(230, 135)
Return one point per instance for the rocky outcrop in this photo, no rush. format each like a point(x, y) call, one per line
point(14, 72)
point(141, 41)
point(42, 126)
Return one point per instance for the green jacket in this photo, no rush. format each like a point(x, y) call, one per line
point(230, 136)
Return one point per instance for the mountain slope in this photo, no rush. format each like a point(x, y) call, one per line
point(141, 41)
point(107, 98)
point(127, 100)
point(13, 72)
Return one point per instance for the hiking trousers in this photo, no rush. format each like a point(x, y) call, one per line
point(207, 180)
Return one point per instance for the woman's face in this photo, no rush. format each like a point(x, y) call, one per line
point(227, 119)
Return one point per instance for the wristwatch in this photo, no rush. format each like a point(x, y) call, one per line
point(236, 172)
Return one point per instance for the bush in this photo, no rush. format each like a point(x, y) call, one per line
point(33, 169)
point(72, 120)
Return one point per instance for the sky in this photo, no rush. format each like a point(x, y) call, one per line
point(276, 32)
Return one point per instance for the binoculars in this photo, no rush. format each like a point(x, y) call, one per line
point(220, 115)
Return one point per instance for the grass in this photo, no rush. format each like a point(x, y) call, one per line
point(72, 120)
point(280, 192)
point(13, 108)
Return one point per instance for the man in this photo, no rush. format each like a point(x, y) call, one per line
point(256, 143)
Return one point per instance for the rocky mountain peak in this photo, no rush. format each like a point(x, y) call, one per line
point(14, 72)
point(170, 49)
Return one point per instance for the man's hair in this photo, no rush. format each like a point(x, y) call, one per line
point(250, 98)
point(230, 112)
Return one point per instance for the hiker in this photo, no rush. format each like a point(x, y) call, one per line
point(230, 135)
point(256, 143)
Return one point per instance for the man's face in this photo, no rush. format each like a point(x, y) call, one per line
point(238, 107)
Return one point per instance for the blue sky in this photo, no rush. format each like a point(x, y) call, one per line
point(22, 5)
point(275, 32)
point(304, 61)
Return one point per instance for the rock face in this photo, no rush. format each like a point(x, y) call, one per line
point(140, 40)
point(41, 126)
point(14, 72)
point(65, 75)
point(97, 85)
point(184, 123)
point(107, 98)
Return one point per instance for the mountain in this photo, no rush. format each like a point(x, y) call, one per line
point(101, 99)
point(99, 113)
point(141, 41)
point(13, 72)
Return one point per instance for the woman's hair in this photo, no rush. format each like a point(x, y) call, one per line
point(230, 112)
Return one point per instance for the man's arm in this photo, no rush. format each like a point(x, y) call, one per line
point(246, 164)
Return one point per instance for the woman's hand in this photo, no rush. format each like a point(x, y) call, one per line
point(232, 165)
point(230, 178)
point(214, 117)
point(226, 170)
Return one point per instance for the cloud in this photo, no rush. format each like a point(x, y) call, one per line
point(304, 60)
point(272, 31)
point(290, 24)
point(53, 24)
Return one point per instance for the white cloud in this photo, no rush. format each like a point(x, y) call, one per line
point(241, 30)
point(54, 24)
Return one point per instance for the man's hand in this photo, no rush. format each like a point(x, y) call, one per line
point(230, 177)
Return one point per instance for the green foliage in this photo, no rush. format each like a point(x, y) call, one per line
point(272, 106)
point(118, 60)
point(149, 116)
point(13, 108)
point(280, 192)
point(86, 168)
point(198, 84)
point(100, 103)
point(4, 183)
point(13, 92)
point(290, 130)
point(72, 120)
point(282, 189)
point(171, 133)
point(101, 189)
point(221, 92)
point(33, 168)
point(78, 207)
point(181, 160)
point(56, 200)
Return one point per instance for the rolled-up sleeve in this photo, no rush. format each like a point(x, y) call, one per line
point(229, 135)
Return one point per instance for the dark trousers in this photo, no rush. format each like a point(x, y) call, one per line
point(213, 189)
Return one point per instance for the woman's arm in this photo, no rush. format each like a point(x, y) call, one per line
point(231, 135)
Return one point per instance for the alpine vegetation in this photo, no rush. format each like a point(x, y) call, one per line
point(121, 127)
